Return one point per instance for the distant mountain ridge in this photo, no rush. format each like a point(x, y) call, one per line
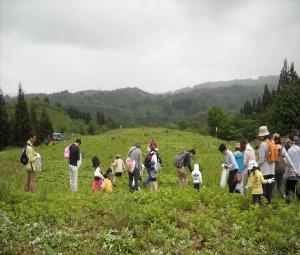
point(133, 106)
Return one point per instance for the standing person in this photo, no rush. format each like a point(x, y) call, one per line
point(239, 157)
point(182, 163)
point(292, 175)
point(231, 165)
point(119, 166)
point(30, 166)
point(135, 155)
point(73, 163)
point(255, 182)
point(154, 170)
point(197, 177)
point(283, 162)
point(266, 166)
point(249, 154)
point(98, 177)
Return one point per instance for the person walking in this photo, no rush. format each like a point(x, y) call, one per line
point(197, 177)
point(135, 154)
point(73, 164)
point(182, 163)
point(284, 161)
point(231, 165)
point(119, 166)
point(30, 166)
point(249, 154)
point(292, 175)
point(267, 167)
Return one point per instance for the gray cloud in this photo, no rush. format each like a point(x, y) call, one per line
point(156, 45)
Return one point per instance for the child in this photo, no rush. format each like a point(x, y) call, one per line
point(239, 157)
point(255, 182)
point(197, 177)
point(107, 184)
point(98, 177)
point(119, 164)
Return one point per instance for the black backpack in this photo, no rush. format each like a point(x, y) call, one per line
point(147, 161)
point(23, 157)
point(178, 162)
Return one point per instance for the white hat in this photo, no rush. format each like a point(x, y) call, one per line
point(252, 164)
point(263, 131)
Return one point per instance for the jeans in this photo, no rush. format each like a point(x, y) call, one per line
point(148, 178)
point(279, 184)
point(73, 177)
point(256, 199)
point(134, 175)
point(268, 188)
point(231, 182)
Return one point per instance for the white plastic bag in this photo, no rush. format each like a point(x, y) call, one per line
point(223, 178)
point(79, 161)
point(38, 163)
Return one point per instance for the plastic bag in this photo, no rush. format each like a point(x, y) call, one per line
point(223, 178)
point(79, 161)
point(38, 163)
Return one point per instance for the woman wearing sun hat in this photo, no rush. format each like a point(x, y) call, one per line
point(267, 168)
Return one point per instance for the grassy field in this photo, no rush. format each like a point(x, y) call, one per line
point(169, 221)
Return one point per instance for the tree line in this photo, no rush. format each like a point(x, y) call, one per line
point(14, 131)
point(279, 109)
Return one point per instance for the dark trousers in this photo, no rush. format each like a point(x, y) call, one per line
point(136, 176)
point(197, 186)
point(256, 199)
point(231, 182)
point(268, 188)
point(290, 187)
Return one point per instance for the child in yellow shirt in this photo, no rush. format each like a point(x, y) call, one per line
point(255, 182)
point(107, 185)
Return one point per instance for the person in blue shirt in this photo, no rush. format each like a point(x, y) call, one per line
point(239, 157)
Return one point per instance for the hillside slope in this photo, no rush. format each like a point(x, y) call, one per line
point(170, 221)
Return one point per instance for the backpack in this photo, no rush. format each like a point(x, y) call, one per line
point(23, 157)
point(179, 159)
point(147, 161)
point(67, 152)
point(272, 152)
point(280, 164)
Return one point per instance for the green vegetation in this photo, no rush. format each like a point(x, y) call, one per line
point(170, 221)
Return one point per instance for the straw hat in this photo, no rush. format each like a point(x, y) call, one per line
point(276, 135)
point(237, 146)
point(263, 131)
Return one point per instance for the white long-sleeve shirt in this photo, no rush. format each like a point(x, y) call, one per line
point(249, 154)
point(97, 173)
point(230, 161)
point(294, 154)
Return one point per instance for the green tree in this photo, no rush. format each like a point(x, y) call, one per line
point(284, 75)
point(45, 128)
point(100, 118)
point(46, 100)
point(33, 116)
point(267, 97)
point(247, 110)
point(22, 123)
point(293, 77)
point(92, 127)
point(4, 123)
point(285, 110)
point(215, 117)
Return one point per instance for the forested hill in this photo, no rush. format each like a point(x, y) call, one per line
point(134, 106)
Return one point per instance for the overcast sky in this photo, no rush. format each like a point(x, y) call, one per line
point(156, 45)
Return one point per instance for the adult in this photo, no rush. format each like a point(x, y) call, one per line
point(73, 163)
point(249, 154)
point(231, 165)
point(267, 167)
point(135, 154)
point(292, 175)
point(182, 163)
point(284, 161)
point(152, 145)
point(30, 166)
point(119, 166)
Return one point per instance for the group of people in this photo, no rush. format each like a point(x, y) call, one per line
point(274, 163)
